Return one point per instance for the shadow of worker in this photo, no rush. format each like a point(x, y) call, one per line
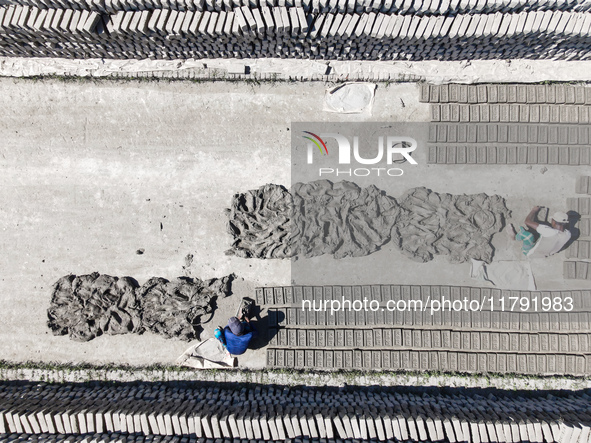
point(267, 326)
point(573, 218)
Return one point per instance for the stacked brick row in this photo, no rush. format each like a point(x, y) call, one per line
point(581, 247)
point(580, 269)
point(340, 30)
point(281, 413)
point(400, 7)
point(525, 337)
point(530, 94)
point(509, 124)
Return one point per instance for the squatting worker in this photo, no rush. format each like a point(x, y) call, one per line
point(238, 335)
point(552, 238)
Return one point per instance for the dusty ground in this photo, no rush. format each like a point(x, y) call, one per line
point(92, 172)
point(477, 71)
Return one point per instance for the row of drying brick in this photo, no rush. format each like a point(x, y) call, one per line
point(457, 316)
point(577, 270)
point(510, 113)
point(509, 133)
point(579, 249)
point(156, 33)
point(518, 93)
point(581, 205)
point(583, 185)
point(438, 340)
point(401, 7)
point(445, 361)
point(510, 155)
point(293, 296)
point(312, 413)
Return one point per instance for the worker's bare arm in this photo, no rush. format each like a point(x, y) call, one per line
point(530, 220)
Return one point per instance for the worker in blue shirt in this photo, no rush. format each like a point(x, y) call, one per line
point(238, 335)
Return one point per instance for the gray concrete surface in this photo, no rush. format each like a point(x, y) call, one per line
point(92, 172)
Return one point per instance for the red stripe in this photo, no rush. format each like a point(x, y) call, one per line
point(319, 139)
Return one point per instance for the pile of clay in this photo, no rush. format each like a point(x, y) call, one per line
point(174, 308)
point(459, 226)
point(87, 306)
point(345, 220)
point(313, 219)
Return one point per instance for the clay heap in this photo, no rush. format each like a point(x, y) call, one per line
point(87, 306)
point(459, 226)
point(173, 308)
point(345, 220)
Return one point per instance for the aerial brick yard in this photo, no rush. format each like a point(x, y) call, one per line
point(295, 221)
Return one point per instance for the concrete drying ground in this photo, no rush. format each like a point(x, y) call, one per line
point(90, 173)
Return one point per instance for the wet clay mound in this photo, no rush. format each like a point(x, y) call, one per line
point(460, 226)
point(260, 222)
point(87, 306)
point(345, 220)
point(174, 308)
point(313, 219)
point(341, 219)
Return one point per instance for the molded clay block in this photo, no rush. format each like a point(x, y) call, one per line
point(434, 94)
point(569, 269)
point(581, 271)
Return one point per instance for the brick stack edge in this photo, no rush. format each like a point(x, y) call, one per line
point(532, 341)
point(315, 29)
point(510, 125)
point(275, 413)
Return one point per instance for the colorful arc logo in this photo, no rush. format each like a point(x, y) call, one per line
point(316, 142)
